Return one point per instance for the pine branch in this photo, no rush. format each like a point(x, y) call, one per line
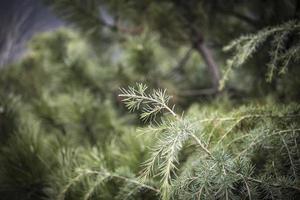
point(260, 138)
point(101, 177)
point(174, 133)
point(289, 154)
point(245, 47)
point(154, 103)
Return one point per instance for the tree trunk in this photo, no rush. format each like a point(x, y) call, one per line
point(213, 68)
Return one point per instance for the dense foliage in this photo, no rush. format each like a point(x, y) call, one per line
point(65, 132)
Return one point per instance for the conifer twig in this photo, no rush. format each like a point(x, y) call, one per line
point(106, 175)
point(175, 133)
point(154, 103)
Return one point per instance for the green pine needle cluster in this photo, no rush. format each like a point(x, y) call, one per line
point(153, 104)
point(220, 170)
point(281, 52)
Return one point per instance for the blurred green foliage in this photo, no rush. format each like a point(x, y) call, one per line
point(65, 134)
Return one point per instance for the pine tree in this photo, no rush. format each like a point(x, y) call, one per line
point(65, 134)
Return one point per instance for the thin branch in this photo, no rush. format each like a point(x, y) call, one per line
point(289, 155)
point(137, 183)
point(246, 117)
point(125, 179)
point(210, 136)
point(201, 145)
point(261, 182)
point(92, 189)
point(68, 186)
point(248, 189)
point(256, 141)
point(230, 129)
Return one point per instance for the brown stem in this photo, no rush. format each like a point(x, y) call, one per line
point(210, 62)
